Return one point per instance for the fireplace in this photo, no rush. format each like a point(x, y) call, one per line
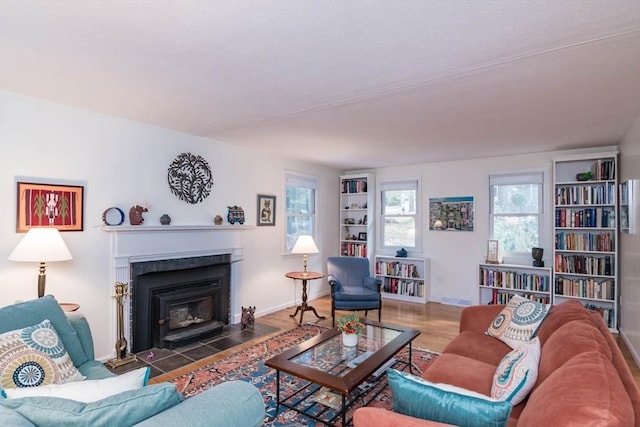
point(179, 301)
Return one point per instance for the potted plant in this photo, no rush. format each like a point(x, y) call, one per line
point(350, 326)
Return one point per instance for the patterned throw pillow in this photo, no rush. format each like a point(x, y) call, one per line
point(519, 321)
point(35, 356)
point(517, 373)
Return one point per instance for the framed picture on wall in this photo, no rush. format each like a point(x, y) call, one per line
point(266, 214)
point(49, 205)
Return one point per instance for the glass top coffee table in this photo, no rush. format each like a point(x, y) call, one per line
point(335, 374)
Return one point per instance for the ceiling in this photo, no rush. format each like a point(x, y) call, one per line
point(349, 84)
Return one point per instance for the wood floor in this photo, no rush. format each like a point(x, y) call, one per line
point(438, 324)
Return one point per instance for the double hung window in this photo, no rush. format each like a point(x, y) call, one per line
point(516, 211)
point(300, 202)
point(399, 214)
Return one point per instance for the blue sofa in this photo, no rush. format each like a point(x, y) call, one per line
point(234, 403)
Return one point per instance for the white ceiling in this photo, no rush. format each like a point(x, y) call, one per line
point(351, 84)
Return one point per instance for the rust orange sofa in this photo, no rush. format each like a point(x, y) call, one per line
point(583, 378)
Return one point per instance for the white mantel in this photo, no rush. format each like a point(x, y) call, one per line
point(131, 244)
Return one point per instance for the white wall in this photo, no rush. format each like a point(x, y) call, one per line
point(630, 249)
point(121, 163)
point(455, 255)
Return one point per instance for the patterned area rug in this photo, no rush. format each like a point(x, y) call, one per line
point(248, 365)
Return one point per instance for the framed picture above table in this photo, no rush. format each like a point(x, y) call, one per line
point(49, 205)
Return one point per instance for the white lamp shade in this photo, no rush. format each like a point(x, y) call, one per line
point(41, 244)
point(305, 245)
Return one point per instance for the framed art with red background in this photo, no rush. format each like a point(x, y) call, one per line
point(50, 205)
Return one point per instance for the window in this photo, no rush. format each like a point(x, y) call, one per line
point(300, 202)
point(399, 214)
point(515, 214)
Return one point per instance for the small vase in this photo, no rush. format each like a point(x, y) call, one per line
point(349, 340)
point(165, 219)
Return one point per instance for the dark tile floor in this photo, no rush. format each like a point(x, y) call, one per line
point(163, 360)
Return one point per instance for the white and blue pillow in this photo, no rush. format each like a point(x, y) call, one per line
point(517, 373)
point(519, 321)
point(35, 356)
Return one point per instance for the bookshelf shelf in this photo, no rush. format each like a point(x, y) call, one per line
point(497, 283)
point(585, 254)
point(404, 279)
point(356, 215)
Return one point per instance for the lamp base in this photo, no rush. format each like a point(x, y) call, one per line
point(115, 363)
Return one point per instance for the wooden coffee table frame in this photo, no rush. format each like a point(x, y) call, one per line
point(343, 385)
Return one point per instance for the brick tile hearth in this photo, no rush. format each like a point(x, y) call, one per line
point(163, 360)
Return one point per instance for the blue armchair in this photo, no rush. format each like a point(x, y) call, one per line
point(352, 287)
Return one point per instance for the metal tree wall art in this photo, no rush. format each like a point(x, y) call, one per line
point(190, 178)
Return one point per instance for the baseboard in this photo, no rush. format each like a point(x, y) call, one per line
point(456, 301)
point(632, 350)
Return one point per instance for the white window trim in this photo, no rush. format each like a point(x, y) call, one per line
point(398, 184)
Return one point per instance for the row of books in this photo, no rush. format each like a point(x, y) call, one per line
point(354, 249)
point(588, 217)
point(583, 264)
point(397, 268)
point(600, 194)
point(412, 288)
point(585, 288)
point(504, 297)
point(607, 313)
point(601, 242)
point(603, 170)
point(514, 280)
point(354, 186)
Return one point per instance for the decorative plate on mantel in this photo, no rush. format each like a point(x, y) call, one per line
point(190, 178)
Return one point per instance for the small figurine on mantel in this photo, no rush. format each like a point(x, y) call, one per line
point(235, 214)
point(135, 214)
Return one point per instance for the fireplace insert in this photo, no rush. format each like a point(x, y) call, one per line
point(179, 301)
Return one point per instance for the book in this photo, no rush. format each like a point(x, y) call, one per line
point(327, 397)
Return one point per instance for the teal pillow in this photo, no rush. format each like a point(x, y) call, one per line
point(445, 403)
point(32, 312)
point(123, 409)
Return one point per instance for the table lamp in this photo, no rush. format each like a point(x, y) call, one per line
point(41, 244)
point(305, 245)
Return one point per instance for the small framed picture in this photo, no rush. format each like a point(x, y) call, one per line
point(266, 210)
point(493, 252)
point(362, 236)
point(50, 205)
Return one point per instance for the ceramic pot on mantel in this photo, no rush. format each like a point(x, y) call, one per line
point(349, 340)
point(165, 219)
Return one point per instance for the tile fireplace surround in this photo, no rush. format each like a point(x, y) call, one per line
point(131, 244)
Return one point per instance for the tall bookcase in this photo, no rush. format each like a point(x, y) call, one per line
point(404, 279)
point(356, 215)
point(497, 283)
point(586, 232)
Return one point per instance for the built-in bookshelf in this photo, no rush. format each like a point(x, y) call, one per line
point(497, 283)
point(404, 279)
point(586, 228)
point(356, 215)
